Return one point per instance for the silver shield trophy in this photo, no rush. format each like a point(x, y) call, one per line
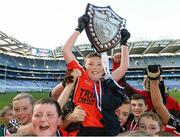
point(103, 31)
point(104, 27)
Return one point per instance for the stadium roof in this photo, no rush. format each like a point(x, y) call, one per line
point(10, 45)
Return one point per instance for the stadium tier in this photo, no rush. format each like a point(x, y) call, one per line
point(25, 68)
point(25, 74)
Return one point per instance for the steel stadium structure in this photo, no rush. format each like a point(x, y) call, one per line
point(27, 68)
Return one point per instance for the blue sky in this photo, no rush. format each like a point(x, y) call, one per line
point(48, 23)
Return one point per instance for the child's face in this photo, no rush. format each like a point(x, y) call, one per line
point(138, 107)
point(117, 57)
point(7, 116)
point(45, 121)
point(22, 110)
point(123, 113)
point(94, 68)
point(149, 125)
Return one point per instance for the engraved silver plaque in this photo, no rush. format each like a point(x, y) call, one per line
point(104, 27)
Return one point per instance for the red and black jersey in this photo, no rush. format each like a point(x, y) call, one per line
point(172, 105)
point(85, 97)
point(131, 124)
point(115, 65)
point(60, 132)
point(143, 93)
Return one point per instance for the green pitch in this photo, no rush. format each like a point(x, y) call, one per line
point(6, 99)
point(175, 94)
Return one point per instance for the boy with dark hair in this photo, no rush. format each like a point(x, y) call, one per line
point(138, 107)
point(171, 103)
point(123, 113)
point(88, 91)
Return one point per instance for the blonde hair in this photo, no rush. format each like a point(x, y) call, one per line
point(4, 110)
point(154, 117)
point(133, 133)
point(23, 96)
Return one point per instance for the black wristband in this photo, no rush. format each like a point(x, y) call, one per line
point(151, 78)
point(77, 29)
point(123, 43)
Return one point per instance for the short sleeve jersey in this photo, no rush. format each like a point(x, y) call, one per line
point(85, 97)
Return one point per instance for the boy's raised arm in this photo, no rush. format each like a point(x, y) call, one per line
point(67, 48)
point(158, 102)
point(120, 72)
point(153, 74)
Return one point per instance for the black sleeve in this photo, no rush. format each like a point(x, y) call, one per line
point(129, 90)
point(174, 123)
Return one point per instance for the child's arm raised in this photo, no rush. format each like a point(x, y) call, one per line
point(158, 102)
point(67, 48)
point(153, 74)
point(120, 71)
